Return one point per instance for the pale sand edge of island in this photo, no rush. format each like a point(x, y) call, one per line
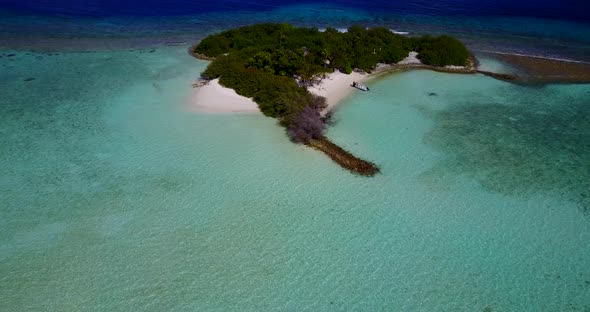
point(215, 98)
point(335, 87)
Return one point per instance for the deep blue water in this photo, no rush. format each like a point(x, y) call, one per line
point(567, 9)
point(557, 29)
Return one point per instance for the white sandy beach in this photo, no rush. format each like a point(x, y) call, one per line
point(336, 86)
point(214, 98)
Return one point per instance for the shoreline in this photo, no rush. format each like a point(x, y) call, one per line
point(212, 97)
point(336, 86)
point(202, 57)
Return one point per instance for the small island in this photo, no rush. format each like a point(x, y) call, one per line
point(278, 66)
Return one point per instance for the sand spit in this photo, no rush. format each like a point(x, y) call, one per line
point(212, 97)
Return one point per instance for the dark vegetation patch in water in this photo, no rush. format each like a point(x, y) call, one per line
point(521, 149)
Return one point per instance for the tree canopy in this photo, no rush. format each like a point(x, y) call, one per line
point(286, 50)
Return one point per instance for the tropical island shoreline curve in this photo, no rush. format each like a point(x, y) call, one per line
point(299, 75)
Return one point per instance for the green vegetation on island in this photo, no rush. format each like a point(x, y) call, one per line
point(255, 60)
point(273, 64)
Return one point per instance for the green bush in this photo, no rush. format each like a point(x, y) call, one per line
point(441, 51)
point(348, 69)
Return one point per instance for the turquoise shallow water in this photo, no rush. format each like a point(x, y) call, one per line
point(116, 197)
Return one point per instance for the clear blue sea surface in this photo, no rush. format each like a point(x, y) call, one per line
point(116, 195)
point(558, 29)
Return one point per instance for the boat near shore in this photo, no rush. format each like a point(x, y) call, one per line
point(359, 86)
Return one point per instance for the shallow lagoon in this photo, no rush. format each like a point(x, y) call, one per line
point(117, 197)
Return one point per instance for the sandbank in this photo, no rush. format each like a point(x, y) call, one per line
point(536, 69)
point(214, 98)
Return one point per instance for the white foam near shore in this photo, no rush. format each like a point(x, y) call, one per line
point(344, 30)
point(214, 98)
point(340, 30)
point(397, 32)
